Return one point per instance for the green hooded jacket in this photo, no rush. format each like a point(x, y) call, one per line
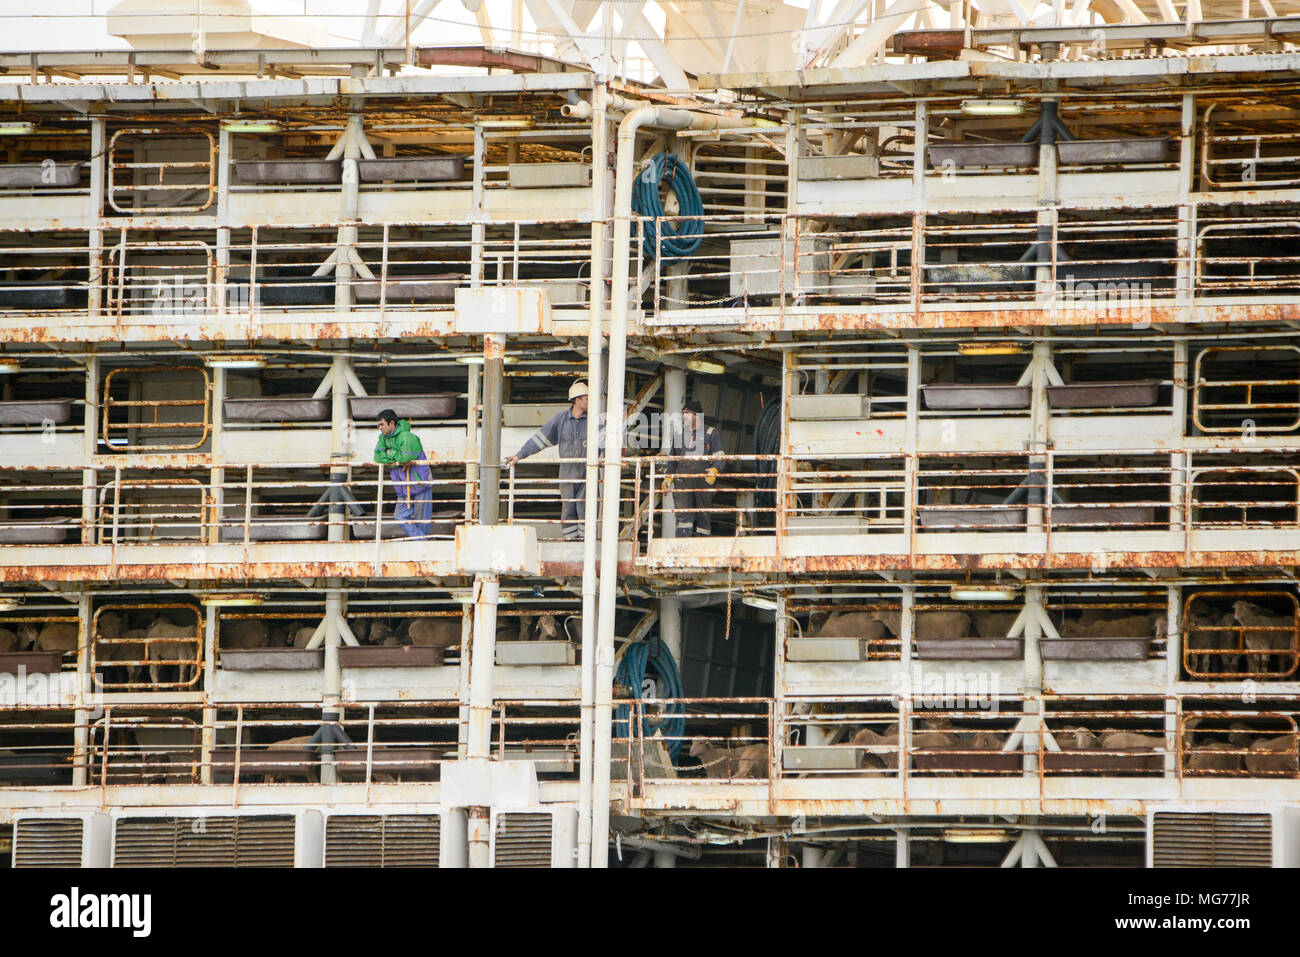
point(400, 447)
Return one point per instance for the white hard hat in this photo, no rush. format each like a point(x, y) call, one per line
point(577, 389)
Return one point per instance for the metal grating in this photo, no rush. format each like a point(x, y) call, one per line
point(204, 842)
point(388, 840)
point(1212, 840)
point(523, 840)
point(51, 843)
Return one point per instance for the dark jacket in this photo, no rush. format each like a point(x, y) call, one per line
point(694, 444)
point(570, 437)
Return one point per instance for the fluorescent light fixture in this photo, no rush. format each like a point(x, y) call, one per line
point(234, 362)
point(251, 126)
point(993, 107)
point(10, 604)
point(975, 836)
point(10, 366)
point(983, 593)
point(233, 600)
point(706, 366)
point(507, 123)
point(17, 128)
point(478, 360)
point(466, 596)
point(760, 601)
point(990, 348)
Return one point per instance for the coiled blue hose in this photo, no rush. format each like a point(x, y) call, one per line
point(631, 672)
point(676, 239)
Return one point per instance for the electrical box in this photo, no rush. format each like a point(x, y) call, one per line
point(756, 267)
point(536, 653)
point(552, 175)
point(497, 550)
point(503, 310)
point(821, 168)
point(823, 407)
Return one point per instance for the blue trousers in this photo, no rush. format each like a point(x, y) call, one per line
point(417, 516)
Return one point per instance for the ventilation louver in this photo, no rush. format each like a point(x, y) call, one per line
point(389, 840)
point(1183, 839)
point(247, 841)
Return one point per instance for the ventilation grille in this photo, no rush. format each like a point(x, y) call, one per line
point(1212, 840)
point(204, 842)
point(390, 840)
point(51, 843)
point(523, 840)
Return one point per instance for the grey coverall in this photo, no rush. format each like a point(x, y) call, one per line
point(570, 435)
point(692, 495)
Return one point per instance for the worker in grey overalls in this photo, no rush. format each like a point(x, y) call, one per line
point(568, 431)
point(697, 460)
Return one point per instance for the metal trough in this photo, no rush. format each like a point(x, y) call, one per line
point(438, 287)
point(35, 662)
point(47, 411)
point(1078, 516)
point(432, 405)
point(423, 169)
point(984, 154)
point(1107, 151)
point(976, 396)
point(35, 531)
point(273, 659)
point(258, 172)
point(38, 294)
point(293, 291)
point(970, 649)
point(409, 764)
point(390, 656)
point(291, 762)
point(1116, 761)
point(1100, 395)
point(35, 767)
point(269, 530)
point(296, 409)
point(988, 516)
point(947, 759)
point(1094, 649)
point(38, 175)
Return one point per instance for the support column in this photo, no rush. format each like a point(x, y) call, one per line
point(217, 474)
point(903, 847)
point(340, 370)
point(90, 446)
point(333, 676)
point(490, 450)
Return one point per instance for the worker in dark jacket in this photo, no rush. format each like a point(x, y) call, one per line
point(693, 471)
point(401, 449)
point(567, 431)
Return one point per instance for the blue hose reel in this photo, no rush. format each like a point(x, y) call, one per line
point(675, 240)
point(637, 660)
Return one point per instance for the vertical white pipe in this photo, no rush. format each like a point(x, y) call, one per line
point(487, 590)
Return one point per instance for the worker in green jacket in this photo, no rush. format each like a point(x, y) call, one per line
point(412, 480)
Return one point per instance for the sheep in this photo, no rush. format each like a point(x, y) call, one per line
point(9, 641)
point(1129, 626)
point(1075, 738)
point(853, 624)
point(57, 636)
point(1273, 756)
point(300, 637)
point(1263, 631)
point(993, 624)
point(172, 654)
point(245, 633)
point(1206, 632)
point(727, 762)
point(881, 745)
point(1210, 756)
point(1131, 740)
point(544, 627)
point(439, 633)
point(116, 643)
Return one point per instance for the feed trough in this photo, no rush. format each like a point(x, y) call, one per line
point(35, 662)
point(297, 409)
point(273, 659)
point(264, 530)
point(406, 763)
point(1116, 761)
point(42, 412)
point(395, 656)
point(294, 762)
point(970, 649)
point(439, 287)
point(293, 291)
point(973, 516)
point(1118, 150)
point(984, 154)
point(1094, 649)
point(423, 169)
point(432, 405)
point(38, 294)
point(951, 759)
point(296, 171)
point(35, 531)
point(38, 175)
point(1120, 516)
point(1099, 395)
point(976, 396)
point(35, 767)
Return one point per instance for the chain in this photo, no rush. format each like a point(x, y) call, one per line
point(726, 635)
